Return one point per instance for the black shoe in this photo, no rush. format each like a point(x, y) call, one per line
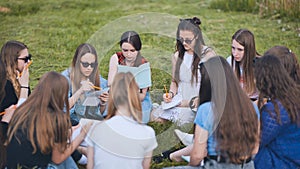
point(157, 159)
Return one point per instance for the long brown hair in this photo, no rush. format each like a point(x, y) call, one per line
point(2, 94)
point(246, 38)
point(193, 25)
point(235, 119)
point(124, 91)
point(288, 59)
point(10, 52)
point(76, 74)
point(274, 82)
point(42, 118)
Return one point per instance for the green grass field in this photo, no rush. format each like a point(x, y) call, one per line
point(53, 29)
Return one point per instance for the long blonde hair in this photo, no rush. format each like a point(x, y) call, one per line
point(42, 118)
point(124, 91)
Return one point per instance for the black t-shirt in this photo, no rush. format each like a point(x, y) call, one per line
point(20, 154)
point(10, 96)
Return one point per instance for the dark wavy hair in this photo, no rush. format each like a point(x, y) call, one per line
point(274, 82)
point(193, 25)
point(288, 59)
point(235, 119)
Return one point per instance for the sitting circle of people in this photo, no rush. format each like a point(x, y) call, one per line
point(245, 108)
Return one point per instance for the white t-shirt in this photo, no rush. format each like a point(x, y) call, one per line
point(121, 142)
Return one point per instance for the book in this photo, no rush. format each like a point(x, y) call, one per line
point(142, 74)
point(176, 100)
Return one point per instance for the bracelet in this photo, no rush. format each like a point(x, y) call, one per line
point(26, 87)
point(172, 93)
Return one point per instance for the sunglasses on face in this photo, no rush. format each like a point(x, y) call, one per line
point(126, 50)
point(187, 41)
point(26, 59)
point(86, 64)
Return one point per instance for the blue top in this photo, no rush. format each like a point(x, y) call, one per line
point(78, 107)
point(204, 119)
point(280, 143)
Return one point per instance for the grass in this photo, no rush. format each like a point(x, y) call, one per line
point(53, 29)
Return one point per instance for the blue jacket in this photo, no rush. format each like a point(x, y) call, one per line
point(280, 143)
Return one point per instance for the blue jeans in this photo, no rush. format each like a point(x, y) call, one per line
point(69, 163)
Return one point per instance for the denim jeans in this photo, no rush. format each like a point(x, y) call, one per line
point(69, 163)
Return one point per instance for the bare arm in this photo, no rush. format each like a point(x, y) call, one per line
point(75, 97)
point(147, 160)
point(199, 150)
point(90, 157)
point(58, 157)
point(113, 69)
point(173, 87)
point(24, 82)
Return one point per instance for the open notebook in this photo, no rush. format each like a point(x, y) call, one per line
point(176, 100)
point(142, 74)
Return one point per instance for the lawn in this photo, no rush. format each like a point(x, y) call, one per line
point(53, 29)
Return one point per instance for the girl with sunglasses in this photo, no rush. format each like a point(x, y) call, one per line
point(190, 51)
point(15, 57)
point(130, 55)
point(84, 78)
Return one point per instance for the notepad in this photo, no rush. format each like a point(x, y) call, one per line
point(176, 100)
point(142, 74)
point(92, 98)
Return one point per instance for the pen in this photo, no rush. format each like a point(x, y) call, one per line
point(2, 113)
point(26, 67)
point(96, 87)
point(166, 90)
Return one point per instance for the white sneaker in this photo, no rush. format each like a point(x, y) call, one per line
point(185, 138)
point(83, 160)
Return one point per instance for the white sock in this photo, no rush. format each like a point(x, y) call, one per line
point(83, 160)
